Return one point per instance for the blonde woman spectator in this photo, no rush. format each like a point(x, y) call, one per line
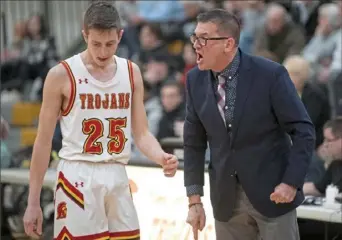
point(313, 97)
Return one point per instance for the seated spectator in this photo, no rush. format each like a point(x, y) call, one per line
point(153, 110)
point(313, 97)
point(309, 15)
point(191, 9)
point(5, 160)
point(331, 152)
point(172, 99)
point(131, 21)
point(324, 49)
point(10, 61)
point(157, 72)
point(252, 18)
point(152, 43)
point(317, 166)
point(39, 53)
point(13, 52)
point(161, 11)
point(279, 35)
point(154, 113)
point(189, 58)
point(335, 94)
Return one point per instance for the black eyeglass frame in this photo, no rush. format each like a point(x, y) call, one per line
point(194, 38)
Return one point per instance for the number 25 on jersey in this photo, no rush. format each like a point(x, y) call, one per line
point(93, 127)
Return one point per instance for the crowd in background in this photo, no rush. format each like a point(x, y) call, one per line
point(305, 36)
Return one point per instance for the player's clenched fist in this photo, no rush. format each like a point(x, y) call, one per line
point(170, 164)
point(33, 220)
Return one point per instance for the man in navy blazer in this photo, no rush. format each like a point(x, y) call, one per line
point(260, 136)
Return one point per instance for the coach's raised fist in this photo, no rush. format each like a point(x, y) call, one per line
point(170, 165)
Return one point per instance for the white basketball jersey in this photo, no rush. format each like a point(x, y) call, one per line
point(96, 126)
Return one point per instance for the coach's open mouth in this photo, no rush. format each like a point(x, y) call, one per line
point(199, 57)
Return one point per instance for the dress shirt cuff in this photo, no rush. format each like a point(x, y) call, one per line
point(194, 190)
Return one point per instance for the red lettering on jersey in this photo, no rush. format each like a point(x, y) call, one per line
point(127, 98)
point(117, 135)
point(90, 101)
point(113, 103)
point(106, 101)
point(83, 98)
point(97, 101)
point(121, 100)
point(93, 128)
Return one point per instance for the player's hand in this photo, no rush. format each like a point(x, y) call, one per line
point(170, 164)
point(196, 218)
point(283, 193)
point(33, 221)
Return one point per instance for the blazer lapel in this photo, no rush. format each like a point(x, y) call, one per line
point(212, 103)
point(244, 85)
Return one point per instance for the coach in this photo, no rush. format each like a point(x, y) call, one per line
point(260, 137)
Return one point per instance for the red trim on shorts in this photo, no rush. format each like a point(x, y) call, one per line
point(70, 190)
point(72, 90)
point(125, 235)
point(66, 235)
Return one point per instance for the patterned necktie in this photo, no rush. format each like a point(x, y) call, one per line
point(221, 96)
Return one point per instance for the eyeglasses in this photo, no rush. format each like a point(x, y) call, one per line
point(203, 40)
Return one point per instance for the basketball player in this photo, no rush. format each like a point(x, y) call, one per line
point(100, 98)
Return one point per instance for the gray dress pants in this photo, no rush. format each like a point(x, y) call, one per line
point(248, 224)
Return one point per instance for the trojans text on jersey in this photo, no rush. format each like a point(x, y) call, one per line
point(105, 101)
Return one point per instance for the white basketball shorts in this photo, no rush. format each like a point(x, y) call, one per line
point(93, 201)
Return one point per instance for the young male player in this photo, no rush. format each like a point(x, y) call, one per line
point(100, 99)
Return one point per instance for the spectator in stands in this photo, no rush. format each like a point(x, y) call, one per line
point(157, 72)
point(130, 21)
point(331, 152)
point(313, 97)
point(154, 110)
point(252, 18)
point(309, 15)
point(279, 35)
point(191, 9)
point(152, 42)
point(154, 113)
point(173, 110)
point(10, 61)
point(161, 11)
point(189, 58)
point(14, 50)
point(39, 54)
point(322, 50)
point(317, 166)
point(5, 160)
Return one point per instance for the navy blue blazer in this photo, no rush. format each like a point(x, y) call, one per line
point(267, 111)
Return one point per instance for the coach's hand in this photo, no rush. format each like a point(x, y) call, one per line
point(283, 193)
point(196, 218)
point(33, 221)
point(170, 165)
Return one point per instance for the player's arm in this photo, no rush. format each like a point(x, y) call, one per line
point(143, 138)
point(50, 109)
